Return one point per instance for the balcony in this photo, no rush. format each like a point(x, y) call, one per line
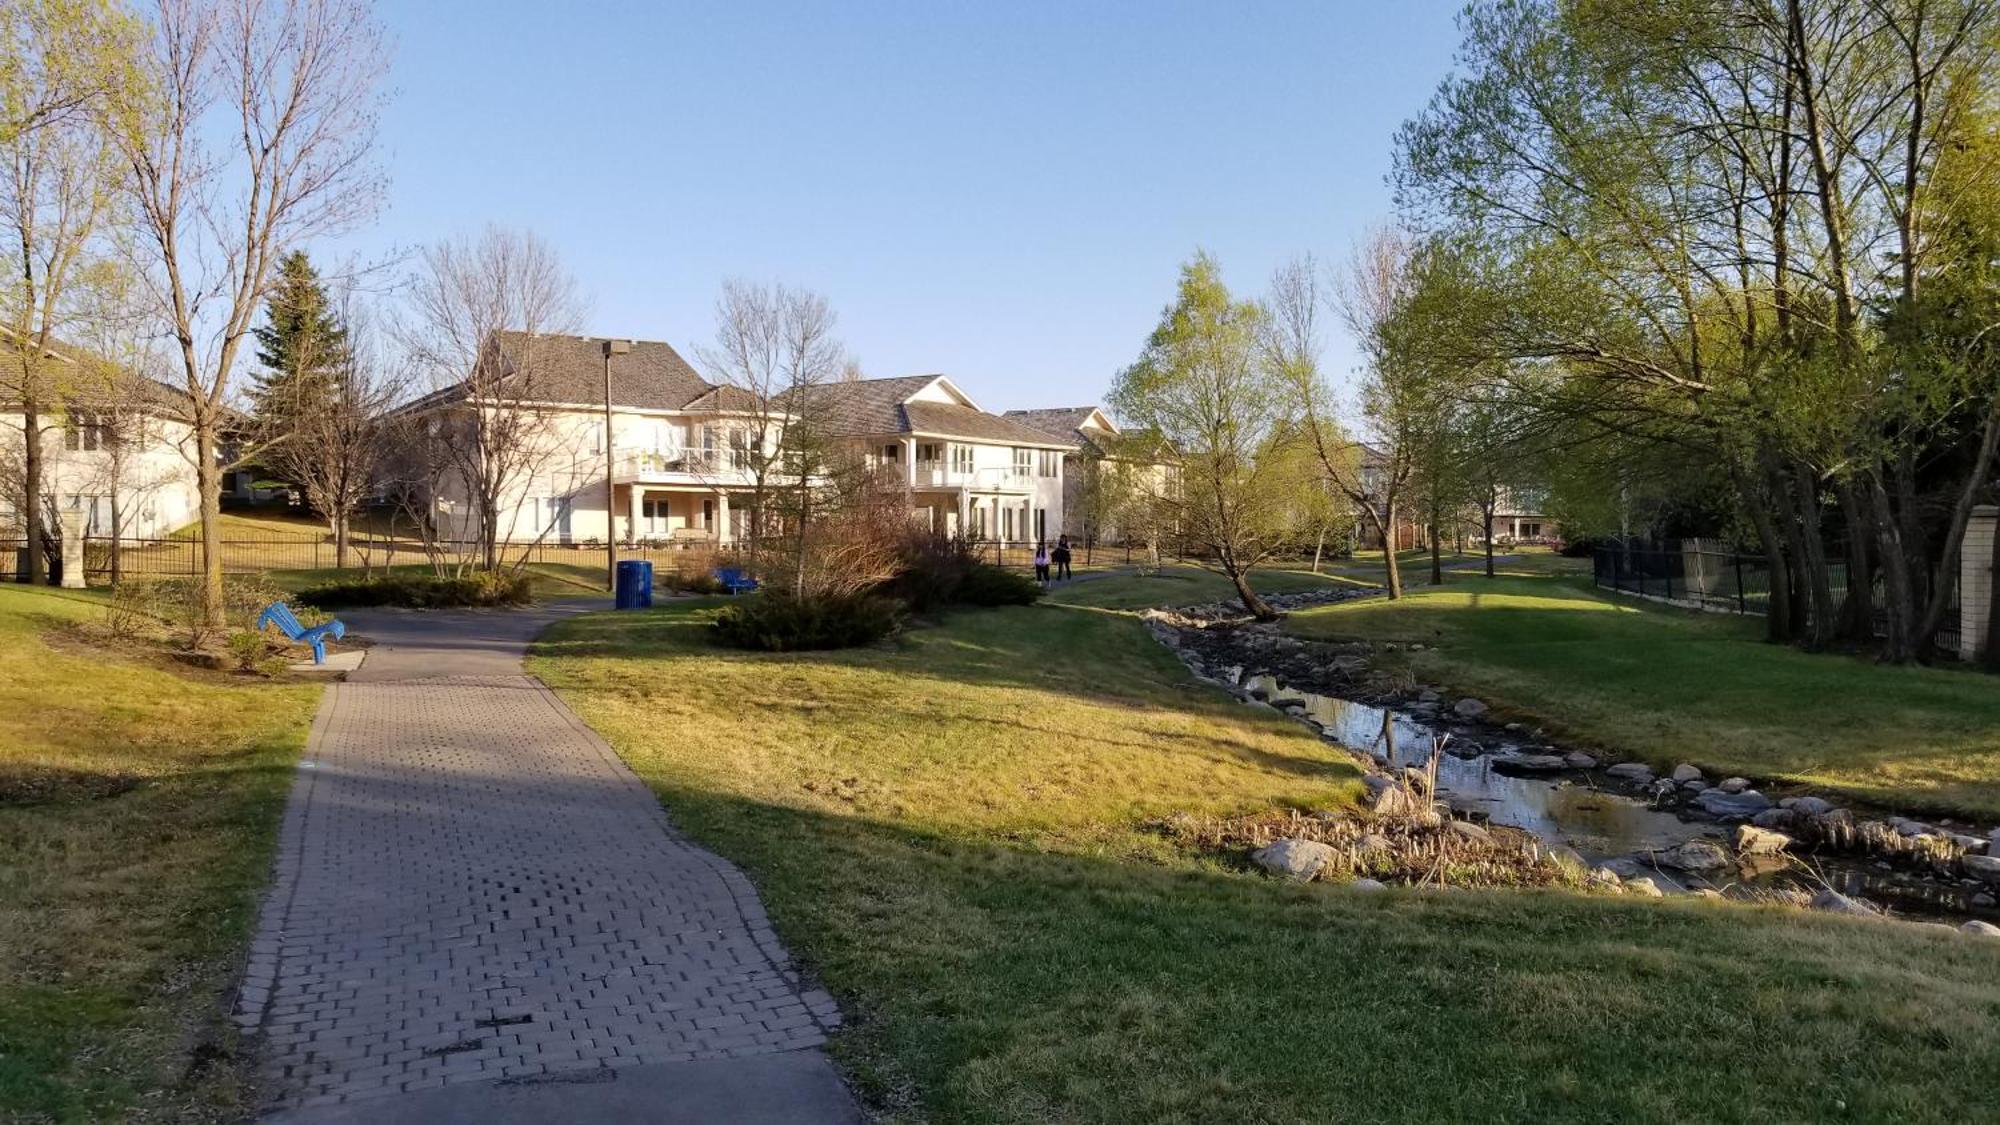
point(684, 466)
point(935, 474)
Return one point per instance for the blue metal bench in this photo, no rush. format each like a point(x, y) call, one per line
point(281, 615)
point(734, 580)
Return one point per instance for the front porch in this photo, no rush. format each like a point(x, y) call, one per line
point(663, 514)
point(960, 512)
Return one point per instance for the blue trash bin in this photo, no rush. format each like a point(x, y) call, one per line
point(635, 584)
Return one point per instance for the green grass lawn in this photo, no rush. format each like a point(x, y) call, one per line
point(548, 580)
point(138, 807)
point(948, 831)
point(1671, 685)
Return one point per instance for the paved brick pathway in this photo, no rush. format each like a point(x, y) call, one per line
point(471, 887)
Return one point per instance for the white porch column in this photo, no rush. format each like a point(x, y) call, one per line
point(722, 536)
point(964, 513)
point(1975, 580)
point(910, 460)
point(638, 499)
point(72, 550)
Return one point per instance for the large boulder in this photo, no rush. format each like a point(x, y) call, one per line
point(1811, 806)
point(1294, 858)
point(1578, 760)
point(1466, 830)
point(1644, 887)
point(1980, 929)
point(1469, 708)
point(1631, 771)
point(1732, 806)
point(1836, 903)
point(1733, 784)
point(1685, 772)
point(1761, 841)
point(1696, 855)
point(1986, 867)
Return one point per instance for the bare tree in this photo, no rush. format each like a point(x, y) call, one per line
point(57, 181)
point(335, 450)
point(1368, 294)
point(251, 132)
point(480, 312)
point(774, 347)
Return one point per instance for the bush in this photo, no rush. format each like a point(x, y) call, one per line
point(934, 569)
point(423, 591)
point(987, 584)
point(782, 623)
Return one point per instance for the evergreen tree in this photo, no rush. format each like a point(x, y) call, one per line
point(301, 348)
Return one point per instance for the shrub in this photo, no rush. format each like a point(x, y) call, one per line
point(423, 591)
point(934, 568)
point(987, 584)
point(783, 623)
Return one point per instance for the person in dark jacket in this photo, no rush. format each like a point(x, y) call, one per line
point(1061, 558)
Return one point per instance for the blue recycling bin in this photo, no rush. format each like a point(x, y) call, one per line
point(635, 584)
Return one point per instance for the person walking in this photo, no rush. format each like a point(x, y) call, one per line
point(1061, 558)
point(1042, 562)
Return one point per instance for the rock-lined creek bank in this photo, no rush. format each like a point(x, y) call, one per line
point(1457, 796)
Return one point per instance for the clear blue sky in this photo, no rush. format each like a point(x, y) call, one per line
point(998, 191)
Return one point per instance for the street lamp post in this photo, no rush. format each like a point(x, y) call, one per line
point(611, 348)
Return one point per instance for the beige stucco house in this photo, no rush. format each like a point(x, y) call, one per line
point(682, 450)
point(115, 450)
point(1136, 477)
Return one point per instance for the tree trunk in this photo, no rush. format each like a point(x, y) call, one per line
point(1486, 518)
point(1258, 607)
point(1819, 584)
point(1387, 523)
point(1437, 555)
point(1897, 592)
point(1319, 548)
point(1778, 613)
point(31, 485)
point(208, 481)
point(340, 541)
point(1857, 609)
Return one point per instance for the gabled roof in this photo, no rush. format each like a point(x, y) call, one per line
point(81, 378)
point(885, 407)
point(570, 370)
point(1084, 425)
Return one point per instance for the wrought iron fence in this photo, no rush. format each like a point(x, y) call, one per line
point(1705, 574)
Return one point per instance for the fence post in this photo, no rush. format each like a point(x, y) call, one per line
point(1667, 564)
point(1742, 603)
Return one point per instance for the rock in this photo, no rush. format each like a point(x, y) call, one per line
point(1696, 855)
point(1373, 844)
point(1288, 703)
point(1760, 841)
point(1732, 806)
point(1772, 818)
point(1983, 900)
point(1428, 696)
point(1625, 867)
point(1980, 929)
point(1644, 888)
point(1469, 708)
point(1465, 829)
point(1562, 855)
point(1986, 867)
point(1910, 829)
point(1695, 786)
point(1530, 763)
point(1604, 876)
point(1369, 885)
point(1578, 760)
point(1973, 844)
point(1836, 903)
point(1686, 772)
point(1633, 771)
point(1811, 806)
point(1733, 784)
point(1993, 846)
point(1294, 858)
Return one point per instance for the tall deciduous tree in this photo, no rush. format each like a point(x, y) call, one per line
point(57, 182)
point(1204, 383)
point(250, 133)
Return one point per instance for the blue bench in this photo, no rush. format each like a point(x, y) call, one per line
point(734, 580)
point(281, 615)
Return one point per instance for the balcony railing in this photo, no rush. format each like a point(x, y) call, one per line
point(932, 474)
point(693, 462)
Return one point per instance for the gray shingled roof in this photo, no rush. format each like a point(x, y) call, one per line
point(1062, 422)
point(876, 407)
point(82, 378)
point(652, 376)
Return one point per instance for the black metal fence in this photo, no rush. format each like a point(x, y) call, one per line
point(1705, 574)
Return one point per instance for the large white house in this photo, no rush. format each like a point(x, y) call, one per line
point(114, 449)
point(681, 449)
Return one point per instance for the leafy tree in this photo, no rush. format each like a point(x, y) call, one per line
point(1204, 384)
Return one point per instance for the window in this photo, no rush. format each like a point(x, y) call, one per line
point(1041, 524)
point(961, 458)
point(596, 437)
point(1007, 523)
point(1047, 463)
point(1024, 459)
point(892, 453)
point(929, 453)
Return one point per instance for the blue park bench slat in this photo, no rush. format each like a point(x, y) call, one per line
point(281, 615)
point(734, 580)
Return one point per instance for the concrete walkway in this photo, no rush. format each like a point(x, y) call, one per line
point(479, 914)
